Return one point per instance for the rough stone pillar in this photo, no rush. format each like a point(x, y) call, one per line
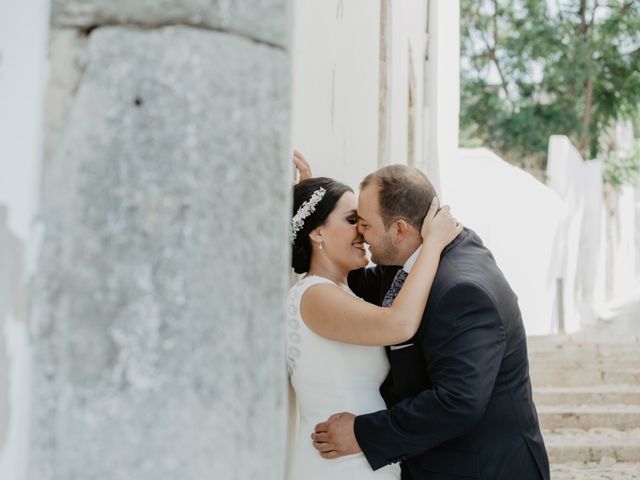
point(159, 292)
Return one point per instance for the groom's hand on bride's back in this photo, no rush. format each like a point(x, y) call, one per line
point(302, 167)
point(335, 438)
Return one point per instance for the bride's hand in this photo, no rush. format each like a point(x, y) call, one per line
point(302, 167)
point(439, 228)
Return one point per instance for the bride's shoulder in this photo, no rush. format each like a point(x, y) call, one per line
point(308, 280)
point(298, 289)
point(304, 283)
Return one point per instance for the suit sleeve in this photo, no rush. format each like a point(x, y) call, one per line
point(366, 282)
point(463, 349)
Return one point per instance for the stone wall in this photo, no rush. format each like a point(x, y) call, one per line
point(159, 290)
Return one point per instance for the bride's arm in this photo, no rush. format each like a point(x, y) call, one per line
point(337, 315)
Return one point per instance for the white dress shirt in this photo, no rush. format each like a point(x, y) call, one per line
point(408, 265)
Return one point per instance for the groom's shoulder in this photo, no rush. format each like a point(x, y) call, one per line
point(470, 267)
point(466, 258)
point(464, 262)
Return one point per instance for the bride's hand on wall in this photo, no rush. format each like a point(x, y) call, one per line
point(303, 169)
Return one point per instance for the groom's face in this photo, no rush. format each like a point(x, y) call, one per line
point(371, 226)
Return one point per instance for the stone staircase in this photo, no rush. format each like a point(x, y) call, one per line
point(587, 392)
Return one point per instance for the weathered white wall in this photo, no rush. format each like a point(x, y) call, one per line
point(354, 61)
point(597, 250)
point(24, 28)
point(592, 260)
point(442, 93)
point(637, 233)
point(572, 229)
point(567, 176)
point(517, 217)
point(335, 86)
point(621, 225)
point(355, 64)
point(406, 47)
point(14, 355)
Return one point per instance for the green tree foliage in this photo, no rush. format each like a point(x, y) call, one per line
point(533, 68)
point(622, 167)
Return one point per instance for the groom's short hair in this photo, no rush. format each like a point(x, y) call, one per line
point(403, 192)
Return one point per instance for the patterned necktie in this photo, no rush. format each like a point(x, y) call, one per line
point(399, 279)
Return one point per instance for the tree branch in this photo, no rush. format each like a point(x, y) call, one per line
point(493, 51)
point(625, 8)
point(586, 119)
point(593, 13)
point(582, 13)
point(559, 7)
point(491, 54)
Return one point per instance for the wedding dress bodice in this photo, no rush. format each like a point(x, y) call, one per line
point(330, 377)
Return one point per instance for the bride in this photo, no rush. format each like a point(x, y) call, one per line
point(335, 340)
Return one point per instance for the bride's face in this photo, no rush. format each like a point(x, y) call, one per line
point(341, 241)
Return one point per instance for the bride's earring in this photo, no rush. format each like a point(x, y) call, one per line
point(320, 246)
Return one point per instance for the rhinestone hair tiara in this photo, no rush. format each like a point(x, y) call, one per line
point(306, 209)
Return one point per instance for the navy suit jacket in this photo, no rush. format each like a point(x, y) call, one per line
point(458, 392)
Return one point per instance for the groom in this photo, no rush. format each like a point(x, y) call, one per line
point(458, 393)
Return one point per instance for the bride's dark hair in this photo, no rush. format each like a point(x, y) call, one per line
point(301, 248)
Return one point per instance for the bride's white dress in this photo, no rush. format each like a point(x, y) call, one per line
point(330, 377)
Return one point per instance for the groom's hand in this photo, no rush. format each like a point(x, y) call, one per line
point(335, 437)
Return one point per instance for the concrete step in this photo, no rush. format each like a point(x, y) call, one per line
point(582, 360)
point(603, 349)
point(556, 344)
point(587, 416)
point(589, 395)
point(607, 469)
point(545, 342)
point(550, 377)
point(605, 352)
point(578, 445)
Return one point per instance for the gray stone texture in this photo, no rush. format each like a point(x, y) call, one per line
point(68, 60)
point(159, 293)
point(263, 20)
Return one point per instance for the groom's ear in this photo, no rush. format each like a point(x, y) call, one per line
point(399, 230)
